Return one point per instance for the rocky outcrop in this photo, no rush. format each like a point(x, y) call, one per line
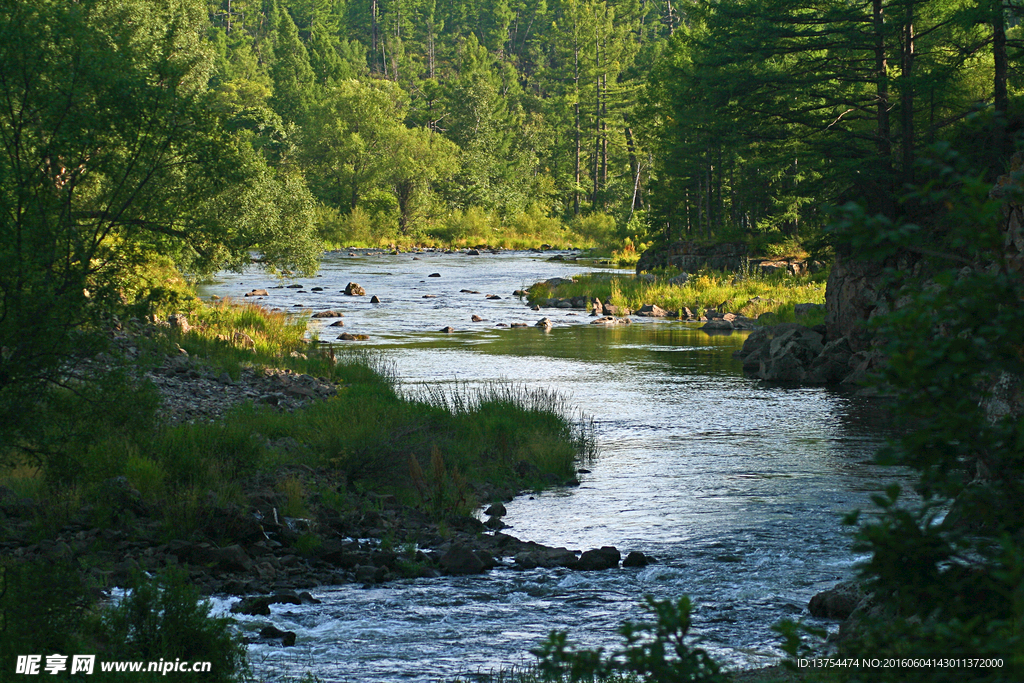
point(855, 293)
point(791, 352)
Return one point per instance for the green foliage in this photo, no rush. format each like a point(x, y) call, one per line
point(113, 160)
point(165, 619)
point(43, 605)
point(749, 296)
point(657, 651)
point(46, 608)
point(947, 566)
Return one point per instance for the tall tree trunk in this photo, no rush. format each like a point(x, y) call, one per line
point(1000, 96)
point(576, 115)
point(576, 164)
point(597, 121)
point(670, 17)
point(883, 135)
point(430, 48)
point(634, 165)
point(604, 136)
point(373, 37)
point(907, 94)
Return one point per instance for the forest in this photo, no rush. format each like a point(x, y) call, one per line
point(423, 121)
point(736, 119)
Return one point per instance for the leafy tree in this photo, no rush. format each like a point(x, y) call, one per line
point(418, 158)
point(110, 153)
point(352, 130)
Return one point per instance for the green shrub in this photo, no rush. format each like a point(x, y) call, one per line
point(43, 605)
point(165, 619)
point(658, 651)
point(596, 228)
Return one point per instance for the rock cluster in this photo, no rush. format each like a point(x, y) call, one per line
point(190, 391)
point(791, 352)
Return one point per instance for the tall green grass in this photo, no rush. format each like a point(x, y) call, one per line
point(370, 436)
point(750, 296)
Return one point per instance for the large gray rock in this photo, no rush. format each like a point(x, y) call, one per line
point(652, 311)
point(833, 363)
point(606, 557)
point(460, 560)
point(838, 602)
point(179, 322)
point(548, 558)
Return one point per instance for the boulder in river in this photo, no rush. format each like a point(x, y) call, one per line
point(547, 558)
point(355, 289)
point(606, 557)
point(496, 510)
point(636, 559)
point(460, 560)
point(652, 311)
point(838, 602)
point(287, 638)
point(717, 325)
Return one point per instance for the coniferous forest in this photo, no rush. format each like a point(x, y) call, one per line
point(372, 121)
point(727, 119)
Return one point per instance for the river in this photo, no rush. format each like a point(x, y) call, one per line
point(736, 486)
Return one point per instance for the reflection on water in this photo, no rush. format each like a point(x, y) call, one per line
point(736, 486)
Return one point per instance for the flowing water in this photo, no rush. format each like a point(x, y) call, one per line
point(736, 486)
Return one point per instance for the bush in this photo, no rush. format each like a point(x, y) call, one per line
point(42, 608)
point(947, 565)
point(164, 619)
point(659, 651)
